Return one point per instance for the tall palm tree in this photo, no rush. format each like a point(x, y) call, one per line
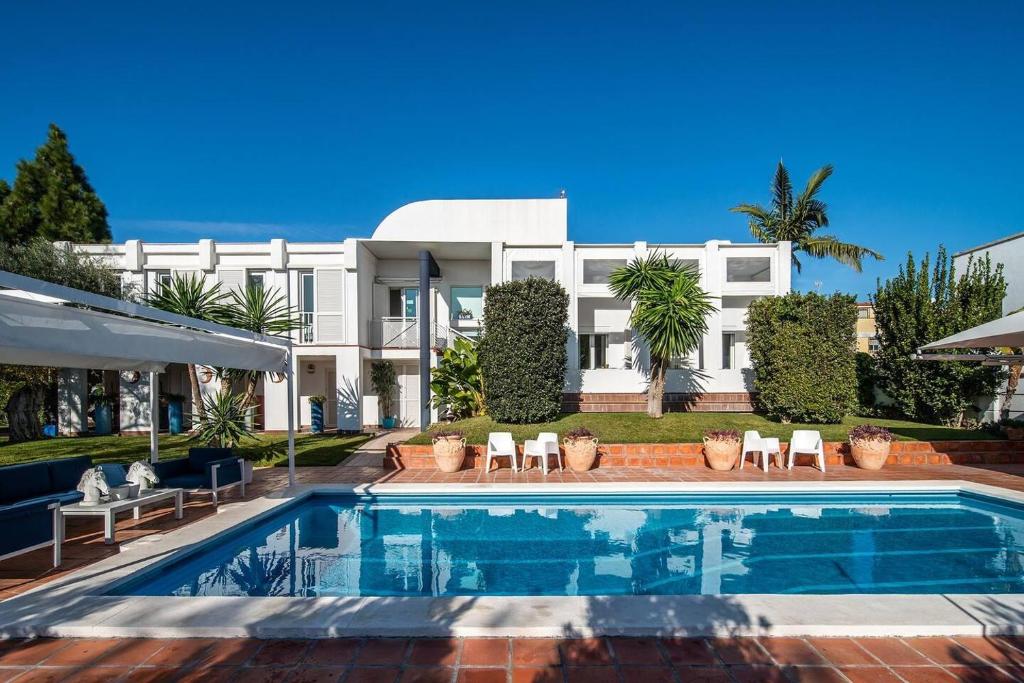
point(799, 220)
point(188, 295)
point(669, 311)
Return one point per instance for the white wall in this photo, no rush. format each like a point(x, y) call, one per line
point(1010, 254)
point(513, 221)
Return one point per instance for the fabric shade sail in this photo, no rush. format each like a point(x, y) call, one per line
point(1005, 331)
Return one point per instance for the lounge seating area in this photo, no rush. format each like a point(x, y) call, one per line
point(204, 470)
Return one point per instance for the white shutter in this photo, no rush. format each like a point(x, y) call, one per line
point(231, 279)
point(330, 304)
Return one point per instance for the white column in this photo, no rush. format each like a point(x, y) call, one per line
point(290, 380)
point(72, 401)
point(154, 417)
point(714, 273)
point(349, 389)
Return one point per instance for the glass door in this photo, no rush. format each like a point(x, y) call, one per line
point(410, 296)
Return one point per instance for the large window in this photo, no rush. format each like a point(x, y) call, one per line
point(686, 363)
point(748, 269)
point(526, 269)
point(255, 279)
point(162, 279)
point(307, 305)
point(467, 303)
point(728, 351)
point(596, 271)
point(593, 351)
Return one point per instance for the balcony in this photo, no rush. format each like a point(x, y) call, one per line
point(404, 333)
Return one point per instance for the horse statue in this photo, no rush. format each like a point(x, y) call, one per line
point(93, 484)
point(143, 475)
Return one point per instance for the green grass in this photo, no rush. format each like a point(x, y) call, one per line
point(688, 427)
point(267, 450)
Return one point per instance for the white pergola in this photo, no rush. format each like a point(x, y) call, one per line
point(1005, 332)
point(50, 325)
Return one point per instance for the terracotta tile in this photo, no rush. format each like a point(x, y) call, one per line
point(382, 651)
point(260, 674)
point(987, 674)
point(637, 651)
point(646, 674)
point(16, 652)
point(182, 652)
point(307, 674)
point(537, 675)
point(47, 675)
point(993, 650)
point(592, 674)
point(82, 651)
point(131, 651)
point(944, 651)
point(688, 651)
point(842, 651)
point(431, 674)
point(230, 652)
point(792, 651)
point(485, 652)
point(216, 674)
point(377, 675)
point(333, 651)
point(870, 674)
point(814, 674)
point(281, 653)
point(483, 676)
point(703, 674)
point(892, 651)
point(757, 674)
point(586, 652)
point(535, 652)
point(924, 674)
point(147, 674)
point(740, 651)
point(435, 652)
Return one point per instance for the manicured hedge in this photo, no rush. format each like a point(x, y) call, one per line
point(522, 353)
point(803, 349)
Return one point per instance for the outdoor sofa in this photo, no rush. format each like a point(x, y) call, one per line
point(205, 469)
point(30, 497)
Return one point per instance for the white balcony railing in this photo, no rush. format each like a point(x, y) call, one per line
point(306, 334)
point(404, 333)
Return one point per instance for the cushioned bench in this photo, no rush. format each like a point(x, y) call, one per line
point(30, 495)
point(205, 469)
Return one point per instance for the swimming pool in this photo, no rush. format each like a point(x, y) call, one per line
point(637, 544)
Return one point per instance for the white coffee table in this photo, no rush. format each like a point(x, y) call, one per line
point(108, 511)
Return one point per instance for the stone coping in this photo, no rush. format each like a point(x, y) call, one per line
point(75, 605)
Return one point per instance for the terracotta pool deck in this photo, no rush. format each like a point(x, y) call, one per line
point(499, 659)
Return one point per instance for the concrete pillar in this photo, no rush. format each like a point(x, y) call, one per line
point(714, 274)
point(72, 401)
point(134, 403)
point(349, 389)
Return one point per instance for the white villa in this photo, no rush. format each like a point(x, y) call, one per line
point(360, 301)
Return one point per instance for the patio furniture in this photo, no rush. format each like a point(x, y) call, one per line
point(205, 469)
point(108, 511)
point(544, 445)
point(753, 443)
point(807, 441)
point(500, 445)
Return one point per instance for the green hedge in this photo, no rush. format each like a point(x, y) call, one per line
point(803, 349)
point(522, 353)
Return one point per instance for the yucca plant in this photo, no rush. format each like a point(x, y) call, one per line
point(225, 424)
point(670, 311)
point(799, 220)
point(189, 295)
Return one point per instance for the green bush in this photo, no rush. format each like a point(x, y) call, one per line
point(802, 347)
point(522, 353)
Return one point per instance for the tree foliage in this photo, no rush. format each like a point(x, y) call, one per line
point(799, 220)
point(670, 313)
point(522, 353)
point(922, 304)
point(52, 198)
point(456, 382)
point(802, 348)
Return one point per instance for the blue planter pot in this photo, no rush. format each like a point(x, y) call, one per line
point(388, 423)
point(174, 416)
point(316, 414)
point(101, 419)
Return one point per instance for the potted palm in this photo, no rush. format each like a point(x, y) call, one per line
point(102, 410)
point(383, 380)
point(580, 449)
point(449, 450)
point(722, 448)
point(869, 446)
point(225, 426)
point(316, 413)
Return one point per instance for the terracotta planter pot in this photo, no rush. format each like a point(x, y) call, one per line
point(1014, 433)
point(721, 455)
point(449, 453)
point(580, 454)
point(870, 454)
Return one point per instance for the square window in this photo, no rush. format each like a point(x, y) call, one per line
point(596, 271)
point(748, 269)
point(522, 270)
point(467, 303)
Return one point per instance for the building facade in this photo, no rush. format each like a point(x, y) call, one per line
point(867, 333)
point(359, 301)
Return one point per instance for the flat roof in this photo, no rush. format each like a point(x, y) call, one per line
point(987, 245)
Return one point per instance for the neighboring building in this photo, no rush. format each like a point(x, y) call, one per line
point(1009, 252)
point(867, 333)
point(359, 302)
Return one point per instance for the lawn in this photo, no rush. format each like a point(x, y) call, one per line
point(688, 427)
point(267, 450)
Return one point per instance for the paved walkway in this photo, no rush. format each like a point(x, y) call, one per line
point(371, 453)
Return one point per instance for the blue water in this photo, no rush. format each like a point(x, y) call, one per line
point(636, 545)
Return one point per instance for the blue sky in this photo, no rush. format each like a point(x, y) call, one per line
point(313, 121)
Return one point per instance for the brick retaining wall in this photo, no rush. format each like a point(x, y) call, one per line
point(670, 455)
point(714, 402)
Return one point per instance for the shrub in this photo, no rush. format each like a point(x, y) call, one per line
point(456, 383)
point(870, 433)
point(446, 434)
point(522, 353)
point(384, 381)
point(578, 433)
point(722, 435)
point(802, 348)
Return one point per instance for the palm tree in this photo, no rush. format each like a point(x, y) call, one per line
point(669, 311)
point(189, 296)
point(798, 221)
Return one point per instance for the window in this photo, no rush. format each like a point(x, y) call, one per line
point(593, 351)
point(525, 269)
point(467, 303)
point(684, 362)
point(728, 350)
point(874, 346)
point(745, 269)
point(255, 279)
point(690, 264)
point(402, 302)
point(864, 313)
point(162, 279)
point(596, 271)
point(307, 306)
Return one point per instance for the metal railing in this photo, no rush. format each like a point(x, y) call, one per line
point(404, 333)
point(306, 334)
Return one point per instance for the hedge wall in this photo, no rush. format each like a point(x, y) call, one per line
point(522, 353)
point(803, 350)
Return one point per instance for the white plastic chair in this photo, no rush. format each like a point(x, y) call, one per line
point(806, 441)
point(500, 445)
point(545, 444)
point(753, 443)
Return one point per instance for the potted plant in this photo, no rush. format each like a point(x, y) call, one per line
point(316, 413)
point(225, 426)
point(175, 412)
point(465, 314)
point(449, 450)
point(580, 449)
point(722, 448)
point(383, 380)
point(870, 446)
point(1013, 429)
point(102, 404)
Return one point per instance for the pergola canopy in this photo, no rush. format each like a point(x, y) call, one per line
point(1007, 331)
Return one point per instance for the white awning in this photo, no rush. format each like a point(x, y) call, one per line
point(1005, 331)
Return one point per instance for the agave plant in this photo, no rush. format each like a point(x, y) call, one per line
point(225, 424)
point(456, 382)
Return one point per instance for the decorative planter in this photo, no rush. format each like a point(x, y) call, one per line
point(174, 416)
point(721, 455)
point(316, 418)
point(388, 423)
point(101, 419)
point(247, 472)
point(1014, 433)
point(449, 453)
point(580, 453)
point(870, 454)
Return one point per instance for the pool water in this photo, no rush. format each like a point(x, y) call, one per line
point(635, 545)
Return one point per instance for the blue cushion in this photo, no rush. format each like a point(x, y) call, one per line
point(67, 472)
point(193, 480)
point(24, 525)
point(199, 457)
point(115, 473)
point(171, 468)
point(69, 497)
point(228, 472)
point(20, 482)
